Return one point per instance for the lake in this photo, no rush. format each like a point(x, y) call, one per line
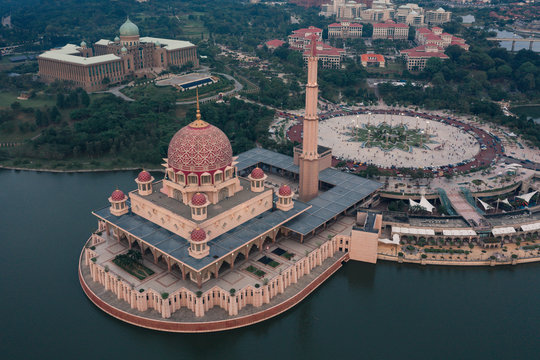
point(364, 311)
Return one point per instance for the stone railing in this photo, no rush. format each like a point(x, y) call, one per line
point(199, 303)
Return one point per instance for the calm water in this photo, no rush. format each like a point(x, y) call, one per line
point(382, 311)
point(519, 45)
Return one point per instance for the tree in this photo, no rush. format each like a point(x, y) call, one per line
point(85, 99)
point(134, 255)
point(367, 30)
point(60, 101)
point(54, 115)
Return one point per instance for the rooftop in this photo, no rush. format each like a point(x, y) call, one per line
point(347, 191)
point(177, 246)
point(68, 54)
point(168, 44)
point(179, 208)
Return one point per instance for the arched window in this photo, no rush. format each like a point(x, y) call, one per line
point(193, 179)
point(218, 177)
point(180, 178)
point(206, 179)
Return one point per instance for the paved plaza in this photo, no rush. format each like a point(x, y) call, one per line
point(448, 144)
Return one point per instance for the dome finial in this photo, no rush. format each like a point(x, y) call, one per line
point(198, 123)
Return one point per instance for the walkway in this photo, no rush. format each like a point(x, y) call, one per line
point(463, 208)
point(116, 92)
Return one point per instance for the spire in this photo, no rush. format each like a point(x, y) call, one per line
point(313, 44)
point(198, 123)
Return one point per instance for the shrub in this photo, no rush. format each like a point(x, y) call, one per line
point(514, 256)
point(424, 256)
point(92, 247)
point(93, 259)
point(400, 254)
point(492, 257)
point(141, 290)
point(106, 268)
point(199, 293)
point(164, 295)
point(232, 291)
point(257, 286)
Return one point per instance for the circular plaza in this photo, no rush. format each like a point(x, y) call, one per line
point(399, 140)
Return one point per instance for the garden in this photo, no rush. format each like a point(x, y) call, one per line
point(283, 253)
point(255, 271)
point(131, 262)
point(268, 261)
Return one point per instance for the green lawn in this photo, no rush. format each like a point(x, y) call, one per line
point(40, 100)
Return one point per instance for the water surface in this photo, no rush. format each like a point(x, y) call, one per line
point(363, 312)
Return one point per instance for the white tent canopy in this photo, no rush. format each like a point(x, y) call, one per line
point(485, 205)
point(527, 197)
point(505, 201)
point(395, 240)
point(503, 231)
point(459, 232)
point(426, 204)
point(531, 227)
point(413, 203)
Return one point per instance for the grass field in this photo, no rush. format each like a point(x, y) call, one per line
point(41, 100)
point(193, 28)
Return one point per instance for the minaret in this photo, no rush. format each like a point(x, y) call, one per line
point(309, 159)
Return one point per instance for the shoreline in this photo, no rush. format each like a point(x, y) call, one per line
point(76, 170)
point(489, 262)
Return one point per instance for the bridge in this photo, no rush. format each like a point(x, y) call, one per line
point(531, 41)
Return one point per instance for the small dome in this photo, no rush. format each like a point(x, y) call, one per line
point(144, 176)
point(123, 50)
point(198, 199)
point(285, 190)
point(118, 195)
point(198, 235)
point(83, 44)
point(116, 39)
point(129, 29)
point(157, 43)
point(257, 173)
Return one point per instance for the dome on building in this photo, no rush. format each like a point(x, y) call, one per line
point(118, 195)
point(123, 50)
point(198, 235)
point(198, 199)
point(285, 190)
point(129, 29)
point(257, 173)
point(144, 176)
point(199, 147)
point(157, 43)
point(116, 39)
point(83, 43)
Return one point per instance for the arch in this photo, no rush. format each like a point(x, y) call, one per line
point(218, 176)
point(223, 194)
point(206, 179)
point(223, 267)
point(239, 258)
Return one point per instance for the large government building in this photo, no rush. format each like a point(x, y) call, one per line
point(112, 61)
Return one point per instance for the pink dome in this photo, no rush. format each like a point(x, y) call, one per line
point(199, 147)
point(257, 173)
point(144, 176)
point(118, 195)
point(285, 190)
point(198, 199)
point(198, 235)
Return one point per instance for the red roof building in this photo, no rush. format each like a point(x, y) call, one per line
point(435, 36)
point(274, 44)
point(390, 30)
point(344, 30)
point(418, 56)
point(372, 60)
point(329, 56)
point(301, 38)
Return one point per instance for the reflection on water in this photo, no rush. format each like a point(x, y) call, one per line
point(519, 45)
point(376, 310)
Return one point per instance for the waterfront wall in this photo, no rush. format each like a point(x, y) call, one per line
point(201, 302)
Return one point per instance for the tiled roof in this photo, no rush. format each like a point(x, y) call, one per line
point(372, 57)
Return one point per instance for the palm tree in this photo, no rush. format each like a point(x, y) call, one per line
point(134, 255)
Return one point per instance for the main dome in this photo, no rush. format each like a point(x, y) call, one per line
point(199, 147)
point(129, 29)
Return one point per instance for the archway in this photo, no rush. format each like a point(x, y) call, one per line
point(223, 194)
point(239, 258)
point(223, 268)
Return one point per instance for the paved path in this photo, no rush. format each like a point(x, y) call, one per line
point(116, 92)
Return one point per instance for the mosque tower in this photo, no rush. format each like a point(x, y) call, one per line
point(309, 159)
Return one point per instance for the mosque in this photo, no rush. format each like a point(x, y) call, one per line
point(224, 241)
point(112, 62)
point(253, 218)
